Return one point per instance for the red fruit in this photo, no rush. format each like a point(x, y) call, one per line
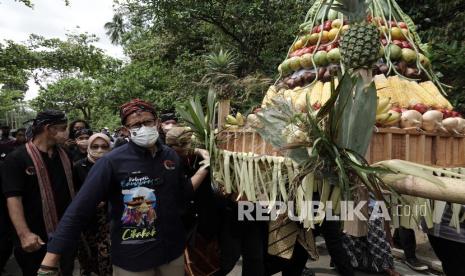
point(422, 108)
point(331, 46)
point(327, 25)
point(312, 49)
point(393, 23)
point(447, 113)
point(322, 48)
point(397, 42)
point(299, 52)
point(316, 29)
point(406, 44)
point(316, 106)
point(384, 42)
point(455, 114)
point(369, 18)
point(396, 109)
point(402, 25)
point(307, 50)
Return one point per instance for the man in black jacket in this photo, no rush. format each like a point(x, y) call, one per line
point(143, 182)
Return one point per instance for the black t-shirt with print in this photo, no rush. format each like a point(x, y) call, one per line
point(19, 178)
point(144, 193)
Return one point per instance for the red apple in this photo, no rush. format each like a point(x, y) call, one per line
point(316, 29)
point(402, 25)
point(322, 48)
point(393, 23)
point(397, 42)
point(455, 114)
point(422, 108)
point(327, 25)
point(406, 44)
point(331, 46)
point(447, 113)
point(307, 50)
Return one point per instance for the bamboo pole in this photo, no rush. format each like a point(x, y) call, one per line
point(453, 190)
point(223, 111)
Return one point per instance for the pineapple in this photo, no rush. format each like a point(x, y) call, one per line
point(360, 43)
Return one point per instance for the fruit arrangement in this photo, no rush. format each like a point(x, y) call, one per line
point(419, 117)
point(328, 44)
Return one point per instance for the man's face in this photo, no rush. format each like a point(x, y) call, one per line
point(138, 119)
point(79, 126)
point(166, 126)
point(58, 134)
point(21, 137)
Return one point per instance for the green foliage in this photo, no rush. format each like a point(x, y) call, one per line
point(440, 23)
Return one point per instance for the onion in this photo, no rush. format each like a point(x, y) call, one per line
point(451, 124)
point(461, 125)
point(432, 120)
point(411, 119)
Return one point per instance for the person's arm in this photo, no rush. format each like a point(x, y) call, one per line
point(82, 208)
point(30, 242)
point(199, 177)
point(14, 185)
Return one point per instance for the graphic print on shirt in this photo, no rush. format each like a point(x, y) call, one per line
point(139, 215)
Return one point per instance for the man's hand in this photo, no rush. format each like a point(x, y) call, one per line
point(202, 153)
point(30, 242)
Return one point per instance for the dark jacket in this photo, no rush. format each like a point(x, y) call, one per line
point(144, 193)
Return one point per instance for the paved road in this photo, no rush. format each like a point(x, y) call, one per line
point(320, 267)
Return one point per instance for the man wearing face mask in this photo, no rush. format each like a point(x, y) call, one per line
point(143, 182)
point(94, 247)
point(82, 143)
point(37, 182)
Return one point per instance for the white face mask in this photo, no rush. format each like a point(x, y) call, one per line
point(145, 136)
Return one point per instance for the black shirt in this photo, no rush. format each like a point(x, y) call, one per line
point(77, 155)
point(143, 192)
point(19, 178)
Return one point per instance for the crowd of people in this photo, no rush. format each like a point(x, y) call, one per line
point(139, 202)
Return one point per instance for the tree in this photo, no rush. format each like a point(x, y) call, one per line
point(115, 29)
point(30, 4)
point(69, 95)
point(440, 23)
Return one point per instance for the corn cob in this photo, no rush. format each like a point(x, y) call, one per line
point(434, 92)
point(315, 96)
point(326, 94)
point(421, 94)
point(398, 89)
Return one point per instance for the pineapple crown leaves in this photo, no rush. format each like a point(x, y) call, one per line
point(355, 10)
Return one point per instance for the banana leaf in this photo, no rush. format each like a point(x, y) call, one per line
point(359, 116)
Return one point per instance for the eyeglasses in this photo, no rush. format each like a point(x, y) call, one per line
point(96, 147)
point(138, 125)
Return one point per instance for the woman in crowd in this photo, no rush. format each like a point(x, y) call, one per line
point(82, 142)
point(93, 252)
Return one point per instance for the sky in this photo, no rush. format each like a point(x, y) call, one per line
point(52, 18)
